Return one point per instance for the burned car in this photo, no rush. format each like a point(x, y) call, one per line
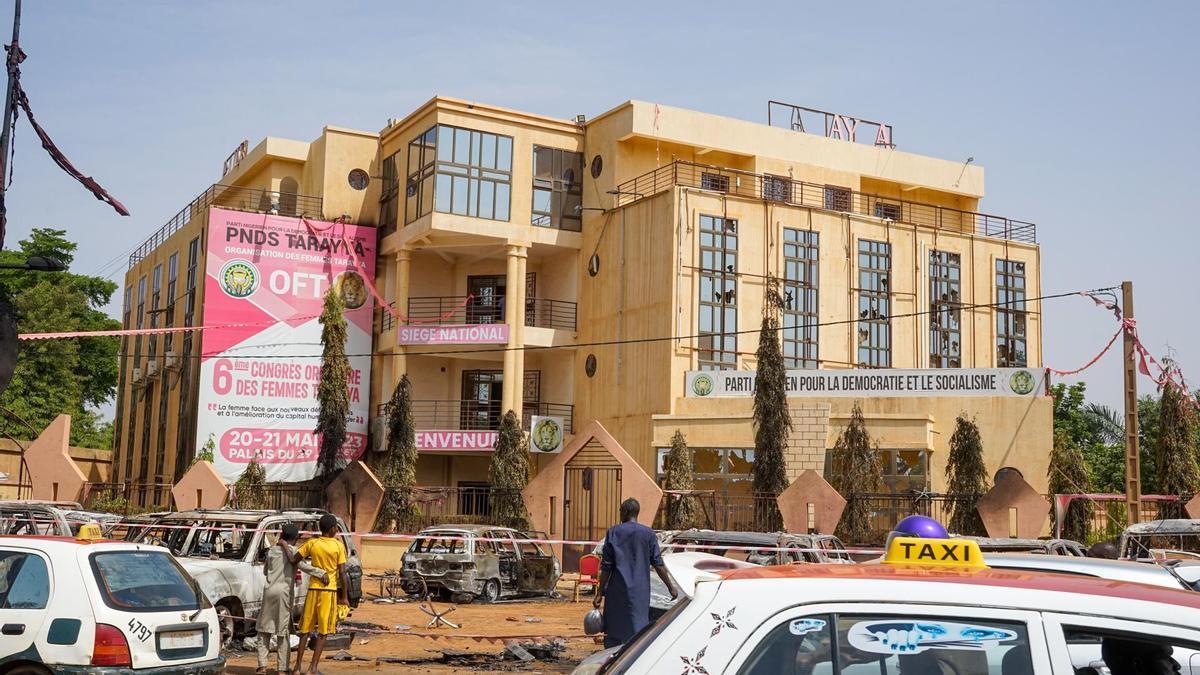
point(1172, 538)
point(478, 561)
point(1065, 547)
point(224, 550)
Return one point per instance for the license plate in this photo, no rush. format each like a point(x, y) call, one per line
point(181, 639)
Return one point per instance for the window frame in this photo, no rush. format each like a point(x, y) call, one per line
point(389, 193)
point(1012, 310)
point(718, 251)
point(945, 316)
point(1056, 625)
point(777, 188)
point(874, 292)
point(561, 191)
point(800, 282)
point(838, 198)
point(46, 567)
point(454, 169)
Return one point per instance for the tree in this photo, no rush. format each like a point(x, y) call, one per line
point(680, 475)
point(772, 421)
point(333, 391)
point(855, 471)
point(966, 477)
point(251, 487)
point(1068, 474)
point(52, 377)
point(1177, 471)
point(399, 511)
point(1098, 432)
point(509, 473)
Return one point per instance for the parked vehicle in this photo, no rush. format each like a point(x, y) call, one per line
point(479, 561)
point(1117, 570)
point(1065, 547)
point(224, 549)
point(106, 608)
point(1177, 538)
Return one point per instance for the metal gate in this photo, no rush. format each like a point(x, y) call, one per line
point(591, 505)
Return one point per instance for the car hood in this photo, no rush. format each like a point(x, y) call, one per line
point(199, 566)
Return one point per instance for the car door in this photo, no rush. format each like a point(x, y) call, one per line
point(1078, 643)
point(25, 591)
point(890, 639)
point(536, 573)
point(508, 559)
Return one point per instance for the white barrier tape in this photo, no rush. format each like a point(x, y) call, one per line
point(149, 527)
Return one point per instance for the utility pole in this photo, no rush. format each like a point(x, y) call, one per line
point(14, 59)
point(1133, 471)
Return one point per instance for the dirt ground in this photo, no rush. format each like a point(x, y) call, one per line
point(536, 620)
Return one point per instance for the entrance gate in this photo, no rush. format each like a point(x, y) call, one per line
point(592, 500)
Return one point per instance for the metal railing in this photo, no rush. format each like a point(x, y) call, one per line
point(454, 505)
point(284, 496)
point(456, 310)
point(784, 190)
point(134, 497)
point(469, 415)
point(238, 199)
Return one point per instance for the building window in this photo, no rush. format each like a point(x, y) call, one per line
point(460, 171)
point(557, 188)
point(725, 475)
point(714, 181)
point(800, 270)
point(945, 313)
point(172, 279)
point(389, 195)
point(141, 321)
point(145, 453)
point(155, 298)
point(183, 430)
point(887, 211)
point(126, 308)
point(777, 188)
point(1010, 314)
point(874, 304)
point(718, 293)
point(837, 198)
point(902, 470)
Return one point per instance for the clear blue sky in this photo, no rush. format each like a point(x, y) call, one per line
point(1084, 115)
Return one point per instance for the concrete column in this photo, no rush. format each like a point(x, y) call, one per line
point(401, 270)
point(518, 301)
point(514, 316)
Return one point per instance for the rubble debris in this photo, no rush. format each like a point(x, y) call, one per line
point(343, 655)
point(518, 652)
point(339, 641)
point(533, 619)
point(400, 627)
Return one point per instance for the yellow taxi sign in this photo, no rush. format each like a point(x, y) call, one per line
point(943, 552)
point(89, 532)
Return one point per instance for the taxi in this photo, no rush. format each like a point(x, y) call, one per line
point(85, 605)
point(932, 607)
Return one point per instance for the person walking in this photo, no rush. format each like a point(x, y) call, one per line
point(630, 550)
point(320, 609)
point(275, 617)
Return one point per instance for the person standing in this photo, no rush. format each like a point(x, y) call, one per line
point(630, 550)
point(321, 604)
point(275, 617)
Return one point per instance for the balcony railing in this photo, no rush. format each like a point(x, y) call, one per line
point(784, 190)
point(238, 199)
point(456, 310)
point(469, 415)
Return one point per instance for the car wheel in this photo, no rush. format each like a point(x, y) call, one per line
point(27, 669)
point(226, 622)
point(491, 591)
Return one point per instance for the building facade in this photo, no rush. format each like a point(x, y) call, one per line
point(594, 269)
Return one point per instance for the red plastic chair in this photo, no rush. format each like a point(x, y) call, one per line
point(589, 573)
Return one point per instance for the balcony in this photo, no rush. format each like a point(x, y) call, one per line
point(784, 190)
point(471, 415)
point(458, 310)
point(235, 198)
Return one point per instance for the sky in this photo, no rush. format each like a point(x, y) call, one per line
point(1083, 114)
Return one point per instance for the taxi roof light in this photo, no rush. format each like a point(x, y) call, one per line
point(89, 532)
point(939, 552)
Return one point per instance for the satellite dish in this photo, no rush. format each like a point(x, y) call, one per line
point(8, 343)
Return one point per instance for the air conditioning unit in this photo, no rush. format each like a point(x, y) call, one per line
point(379, 433)
point(171, 360)
point(152, 369)
point(137, 377)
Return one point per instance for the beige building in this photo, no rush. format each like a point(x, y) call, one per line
point(592, 269)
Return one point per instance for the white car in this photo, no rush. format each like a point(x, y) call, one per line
point(103, 608)
point(933, 607)
point(224, 550)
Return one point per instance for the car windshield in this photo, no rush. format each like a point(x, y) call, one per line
point(228, 540)
point(149, 581)
point(440, 543)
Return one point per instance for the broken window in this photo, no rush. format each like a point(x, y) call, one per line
point(1011, 334)
point(801, 256)
point(945, 313)
point(718, 293)
point(874, 325)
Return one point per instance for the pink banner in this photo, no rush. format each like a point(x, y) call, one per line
point(456, 440)
point(469, 334)
point(265, 280)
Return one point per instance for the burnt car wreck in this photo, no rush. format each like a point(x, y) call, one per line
point(469, 562)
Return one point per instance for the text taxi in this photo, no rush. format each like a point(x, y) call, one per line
point(80, 605)
point(932, 607)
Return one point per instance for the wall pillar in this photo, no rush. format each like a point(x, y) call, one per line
point(514, 316)
point(402, 272)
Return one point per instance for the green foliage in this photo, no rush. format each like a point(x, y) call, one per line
point(1177, 470)
point(509, 474)
point(60, 376)
point(1068, 474)
point(682, 511)
point(250, 490)
point(966, 477)
point(333, 391)
point(399, 511)
point(772, 421)
point(206, 452)
point(1099, 433)
point(855, 470)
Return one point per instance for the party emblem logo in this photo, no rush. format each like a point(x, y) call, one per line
point(1022, 382)
point(239, 278)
